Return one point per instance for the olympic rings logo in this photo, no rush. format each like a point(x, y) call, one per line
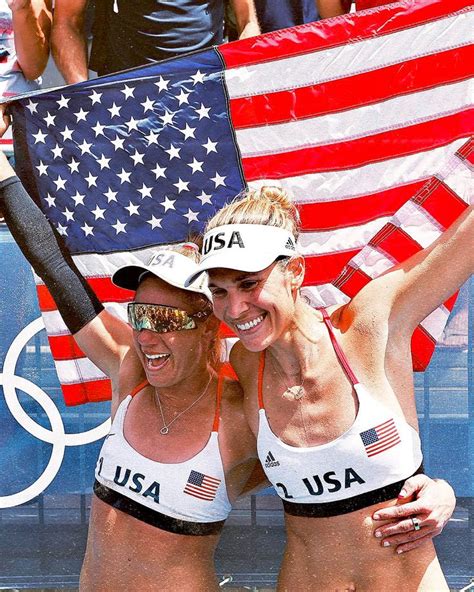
point(56, 435)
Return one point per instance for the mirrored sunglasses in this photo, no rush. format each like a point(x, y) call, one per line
point(162, 319)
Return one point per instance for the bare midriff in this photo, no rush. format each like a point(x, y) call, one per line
point(341, 553)
point(126, 555)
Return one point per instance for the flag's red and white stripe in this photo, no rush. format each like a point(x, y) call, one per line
point(366, 120)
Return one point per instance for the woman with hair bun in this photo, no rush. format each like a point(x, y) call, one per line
point(329, 394)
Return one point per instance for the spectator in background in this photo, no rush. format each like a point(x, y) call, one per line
point(274, 15)
point(25, 27)
point(328, 8)
point(279, 14)
point(128, 34)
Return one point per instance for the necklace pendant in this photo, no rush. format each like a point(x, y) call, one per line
point(296, 392)
point(164, 430)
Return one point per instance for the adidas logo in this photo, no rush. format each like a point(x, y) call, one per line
point(270, 461)
point(290, 245)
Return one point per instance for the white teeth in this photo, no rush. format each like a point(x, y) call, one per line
point(155, 356)
point(250, 324)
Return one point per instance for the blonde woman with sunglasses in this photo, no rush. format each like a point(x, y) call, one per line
point(179, 451)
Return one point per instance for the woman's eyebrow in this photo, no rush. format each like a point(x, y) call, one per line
point(239, 278)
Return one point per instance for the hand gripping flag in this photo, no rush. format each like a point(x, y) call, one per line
point(366, 119)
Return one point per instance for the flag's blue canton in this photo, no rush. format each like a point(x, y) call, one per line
point(369, 437)
point(196, 478)
point(133, 159)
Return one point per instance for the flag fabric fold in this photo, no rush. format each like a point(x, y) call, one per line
point(365, 119)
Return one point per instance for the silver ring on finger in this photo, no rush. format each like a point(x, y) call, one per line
point(416, 523)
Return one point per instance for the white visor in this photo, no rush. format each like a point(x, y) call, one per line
point(244, 247)
point(171, 267)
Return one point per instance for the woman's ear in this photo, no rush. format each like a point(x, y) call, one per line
point(296, 267)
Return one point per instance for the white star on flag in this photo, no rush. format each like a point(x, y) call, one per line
point(132, 209)
point(168, 204)
point(98, 213)
point(203, 111)
point(218, 180)
point(196, 165)
point(154, 222)
point(191, 216)
point(57, 151)
point(39, 137)
point(162, 84)
point(98, 129)
point(111, 195)
point(210, 146)
point(127, 91)
point(145, 191)
point(69, 215)
point(81, 115)
point(32, 107)
point(42, 168)
point(114, 110)
point(85, 147)
point(73, 165)
point(95, 97)
point(63, 102)
point(78, 198)
point(181, 185)
point(103, 162)
point(91, 180)
point(159, 171)
point(124, 176)
point(60, 183)
point(119, 227)
point(67, 134)
point(147, 105)
point(173, 151)
point(88, 230)
point(198, 77)
point(49, 119)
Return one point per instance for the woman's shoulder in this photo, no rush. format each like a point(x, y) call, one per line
point(239, 356)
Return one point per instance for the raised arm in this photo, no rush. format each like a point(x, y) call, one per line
point(246, 18)
point(406, 294)
point(31, 29)
point(68, 41)
point(105, 339)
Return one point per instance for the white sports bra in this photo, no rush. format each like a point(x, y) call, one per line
point(185, 498)
point(366, 465)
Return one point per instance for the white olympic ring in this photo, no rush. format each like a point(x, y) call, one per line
point(56, 435)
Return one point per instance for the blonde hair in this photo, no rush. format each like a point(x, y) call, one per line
point(269, 205)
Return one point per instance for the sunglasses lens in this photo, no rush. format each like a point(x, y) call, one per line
point(158, 318)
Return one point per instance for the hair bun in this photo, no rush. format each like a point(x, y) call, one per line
point(270, 206)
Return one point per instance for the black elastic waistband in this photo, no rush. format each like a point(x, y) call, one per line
point(348, 505)
point(145, 514)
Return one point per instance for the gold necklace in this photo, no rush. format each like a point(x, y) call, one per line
point(166, 426)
